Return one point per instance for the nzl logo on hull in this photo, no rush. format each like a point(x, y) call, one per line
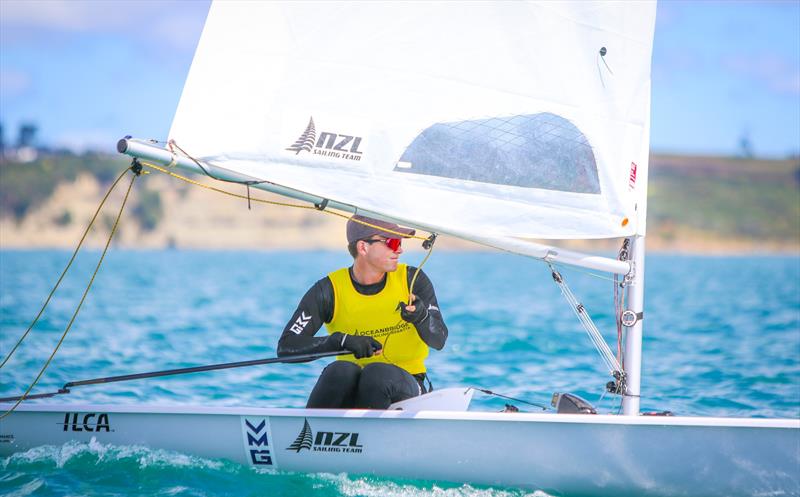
point(328, 144)
point(256, 441)
point(326, 441)
point(89, 421)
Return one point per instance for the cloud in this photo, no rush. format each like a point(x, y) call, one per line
point(777, 73)
point(171, 23)
point(81, 140)
point(65, 15)
point(53, 14)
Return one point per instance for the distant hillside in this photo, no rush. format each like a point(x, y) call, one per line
point(696, 204)
point(714, 200)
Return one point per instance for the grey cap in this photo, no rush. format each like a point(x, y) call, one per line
point(357, 231)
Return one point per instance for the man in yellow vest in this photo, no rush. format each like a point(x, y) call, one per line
point(365, 310)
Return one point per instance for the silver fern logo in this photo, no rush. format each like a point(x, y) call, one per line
point(326, 441)
point(306, 140)
point(327, 144)
point(303, 440)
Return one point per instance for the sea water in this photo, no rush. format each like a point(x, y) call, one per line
point(721, 338)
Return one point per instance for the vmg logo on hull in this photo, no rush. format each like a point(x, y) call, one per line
point(328, 144)
point(89, 421)
point(256, 433)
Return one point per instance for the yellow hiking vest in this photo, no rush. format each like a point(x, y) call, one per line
point(378, 316)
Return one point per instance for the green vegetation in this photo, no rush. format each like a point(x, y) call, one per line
point(719, 197)
point(26, 185)
point(730, 198)
point(148, 210)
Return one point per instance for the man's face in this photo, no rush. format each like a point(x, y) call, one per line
point(378, 255)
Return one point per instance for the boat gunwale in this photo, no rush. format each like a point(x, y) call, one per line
point(586, 419)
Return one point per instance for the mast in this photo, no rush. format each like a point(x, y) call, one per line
point(633, 340)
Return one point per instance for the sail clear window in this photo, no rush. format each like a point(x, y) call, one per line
point(533, 151)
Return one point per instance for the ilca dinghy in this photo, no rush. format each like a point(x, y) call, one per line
point(493, 122)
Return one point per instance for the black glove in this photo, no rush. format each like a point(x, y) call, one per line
point(360, 346)
point(417, 316)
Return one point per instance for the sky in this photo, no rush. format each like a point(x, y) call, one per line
point(88, 72)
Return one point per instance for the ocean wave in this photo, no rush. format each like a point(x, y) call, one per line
point(94, 451)
point(353, 486)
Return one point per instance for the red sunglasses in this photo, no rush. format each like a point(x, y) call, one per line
point(392, 243)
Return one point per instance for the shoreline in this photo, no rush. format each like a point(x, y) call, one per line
point(607, 252)
point(166, 214)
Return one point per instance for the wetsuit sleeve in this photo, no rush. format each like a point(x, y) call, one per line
point(432, 330)
point(316, 308)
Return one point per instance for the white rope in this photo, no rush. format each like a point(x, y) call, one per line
point(578, 270)
point(594, 334)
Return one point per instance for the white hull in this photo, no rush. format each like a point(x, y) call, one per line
point(559, 453)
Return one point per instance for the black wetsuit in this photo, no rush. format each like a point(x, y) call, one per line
point(345, 384)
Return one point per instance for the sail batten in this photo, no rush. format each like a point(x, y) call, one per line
point(509, 119)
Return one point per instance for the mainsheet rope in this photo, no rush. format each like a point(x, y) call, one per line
point(64, 272)
point(613, 363)
point(137, 171)
point(429, 240)
point(172, 145)
point(297, 206)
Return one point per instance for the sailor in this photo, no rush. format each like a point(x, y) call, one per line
point(366, 311)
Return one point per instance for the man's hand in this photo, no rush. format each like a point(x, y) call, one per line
point(414, 313)
point(361, 346)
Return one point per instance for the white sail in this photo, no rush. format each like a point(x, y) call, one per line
point(511, 119)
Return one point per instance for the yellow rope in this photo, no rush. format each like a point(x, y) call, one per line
point(410, 292)
point(416, 273)
point(113, 231)
point(80, 304)
point(74, 254)
point(284, 204)
point(272, 202)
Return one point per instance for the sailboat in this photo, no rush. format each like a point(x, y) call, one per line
point(498, 123)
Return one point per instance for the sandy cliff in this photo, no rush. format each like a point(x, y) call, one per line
point(192, 217)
